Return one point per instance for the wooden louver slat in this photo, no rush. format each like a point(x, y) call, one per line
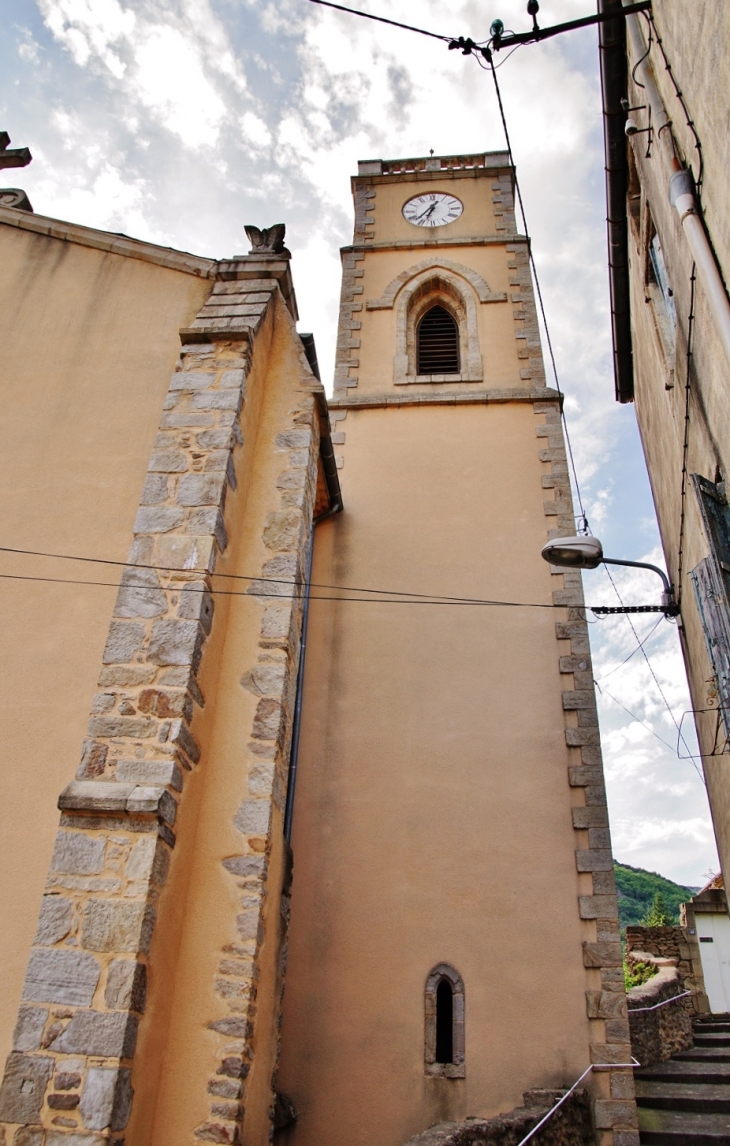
point(437, 343)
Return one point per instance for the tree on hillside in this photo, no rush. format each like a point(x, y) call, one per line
point(658, 914)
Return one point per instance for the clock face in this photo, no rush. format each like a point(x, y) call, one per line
point(432, 209)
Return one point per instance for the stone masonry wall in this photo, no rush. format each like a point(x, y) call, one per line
point(664, 943)
point(657, 1031)
point(614, 1107)
point(614, 1104)
point(68, 1079)
point(569, 1126)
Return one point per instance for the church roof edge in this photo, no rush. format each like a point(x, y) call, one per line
point(110, 241)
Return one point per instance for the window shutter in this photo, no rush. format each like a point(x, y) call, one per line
point(711, 580)
point(438, 342)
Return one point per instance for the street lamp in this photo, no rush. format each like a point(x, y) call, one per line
point(587, 553)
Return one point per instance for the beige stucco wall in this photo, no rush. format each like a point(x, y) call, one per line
point(660, 376)
point(88, 340)
point(432, 819)
point(177, 1050)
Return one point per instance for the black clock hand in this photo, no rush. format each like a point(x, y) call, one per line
point(426, 213)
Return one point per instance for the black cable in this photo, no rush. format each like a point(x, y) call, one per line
point(680, 96)
point(633, 653)
point(660, 690)
point(237, 576)
point(504, 61)
point(636, 65)
point(538, 288)
point(383, 20)
point(604, 691)
point(188, 587)
point(685, 444)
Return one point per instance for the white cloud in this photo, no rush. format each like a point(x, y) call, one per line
point(88, 28)
point(255, 130)
point(171, 81)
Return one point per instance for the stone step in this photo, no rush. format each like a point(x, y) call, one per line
point(682, 1128)
point(703, 1054)
point(712, 1039)
point(718, 1017)
point(700, 1098)
point(687, 1073)
point(702, 1027)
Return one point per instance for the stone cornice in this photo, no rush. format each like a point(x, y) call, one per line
point(174, 260)
point(430, 244)
point(439, 398)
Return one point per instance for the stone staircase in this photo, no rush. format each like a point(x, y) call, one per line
point(686, 1100)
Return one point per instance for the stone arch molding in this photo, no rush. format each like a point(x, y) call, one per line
point(455, 1069)
point(413, 293)
point(481, 287)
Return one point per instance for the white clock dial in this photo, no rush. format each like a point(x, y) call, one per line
point(432, 209)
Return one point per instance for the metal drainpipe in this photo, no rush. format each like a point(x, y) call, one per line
point(297, 722)
point(612, 57)
point(682, 195)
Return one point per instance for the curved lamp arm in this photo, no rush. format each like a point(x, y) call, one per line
point(641, 565)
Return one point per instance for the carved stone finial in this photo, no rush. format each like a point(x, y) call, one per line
point(269, 241)
point(15, 197)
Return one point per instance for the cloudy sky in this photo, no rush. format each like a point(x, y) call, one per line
point(180, 121)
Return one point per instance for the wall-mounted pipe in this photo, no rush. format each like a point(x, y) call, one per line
point(683, 199)
point(682, 195)
point(332, 480)
point(297, 721)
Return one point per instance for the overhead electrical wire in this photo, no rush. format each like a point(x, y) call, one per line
point(605, 692)
point(680, 735)
point(536, 277)
point(383, 20)
point(376, 596)
point(421, 599)
point(633, 652)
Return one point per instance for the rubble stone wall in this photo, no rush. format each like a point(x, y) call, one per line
point(670, 943)
point(658, 1032)
point(569, 1126)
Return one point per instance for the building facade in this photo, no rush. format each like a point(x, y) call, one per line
point(673, 340)
point(403, 834)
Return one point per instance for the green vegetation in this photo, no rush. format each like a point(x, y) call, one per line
point(638, 974)
point(658, 914)
point(637, 897)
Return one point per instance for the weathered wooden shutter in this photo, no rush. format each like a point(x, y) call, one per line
point(711, 580)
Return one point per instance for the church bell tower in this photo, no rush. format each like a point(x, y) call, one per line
point(453, 939)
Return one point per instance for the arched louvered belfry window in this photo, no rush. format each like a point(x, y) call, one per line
point(437, 342)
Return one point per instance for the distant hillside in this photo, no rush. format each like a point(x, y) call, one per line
point(636, 891)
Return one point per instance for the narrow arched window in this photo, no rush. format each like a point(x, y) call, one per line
point(444, 1005)
point(444, 1022)
point(437, 342)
